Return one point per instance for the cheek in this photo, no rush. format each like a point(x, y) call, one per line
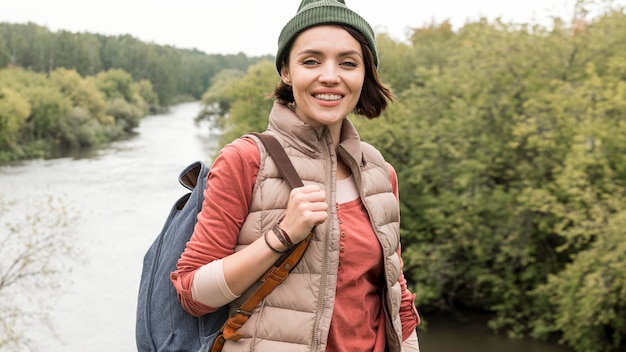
point(357, 87)
point(299, 84)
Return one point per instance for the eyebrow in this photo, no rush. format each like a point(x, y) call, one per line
point(319, 52)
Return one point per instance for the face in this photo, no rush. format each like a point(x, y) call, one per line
point(326, 72)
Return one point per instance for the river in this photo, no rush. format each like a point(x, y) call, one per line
point(123, 193)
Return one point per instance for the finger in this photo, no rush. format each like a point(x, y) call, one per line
point(307, 194)
point(308, 188)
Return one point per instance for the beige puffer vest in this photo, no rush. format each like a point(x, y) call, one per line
point(296, 316)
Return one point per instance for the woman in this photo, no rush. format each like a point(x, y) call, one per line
point(348, 292)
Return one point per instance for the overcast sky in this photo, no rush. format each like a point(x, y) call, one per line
point(252, 26)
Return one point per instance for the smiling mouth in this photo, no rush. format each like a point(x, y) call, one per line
point(328, 97)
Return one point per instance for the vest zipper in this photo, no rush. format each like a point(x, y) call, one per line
point(321, 301)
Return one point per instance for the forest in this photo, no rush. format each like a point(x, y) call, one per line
point(509, 141)
point(64, 90)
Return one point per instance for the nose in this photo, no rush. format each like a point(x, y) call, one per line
point(329, 73)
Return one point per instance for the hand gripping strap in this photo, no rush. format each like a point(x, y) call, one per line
point(281, 269)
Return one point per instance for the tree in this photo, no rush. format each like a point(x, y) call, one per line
point(397, 63)
point(509, 148)
point(216, 101)
point(588, 296)
point(83, 93)
point(247, 100)
point(13, 113)
point(36, 254)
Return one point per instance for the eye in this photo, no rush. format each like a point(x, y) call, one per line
point(349, 64)
point(310, 62)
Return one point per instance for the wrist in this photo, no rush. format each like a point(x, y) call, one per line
point(285, 234)
point(274, 243)
point(282, 236)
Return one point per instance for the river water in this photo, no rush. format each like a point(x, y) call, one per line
point(123, 193)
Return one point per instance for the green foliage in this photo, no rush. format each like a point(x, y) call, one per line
point(588, 298)
point(509, 147)
point(396, 63)
point(116, 84)
point(13, 113)
point(84, 94)
point(135, 77)
point(63, 110)
point(26, 46)
point(78, 51)
point(49, 110)
point(216, 100)
point(175, 74)
point(197, 70)
point(126, 115)
point(240, 104)
point(148, 95)
point(125, 97)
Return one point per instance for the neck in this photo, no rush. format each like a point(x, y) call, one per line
point(343, 171)
point(335, 133)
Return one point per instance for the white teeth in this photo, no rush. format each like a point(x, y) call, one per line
point(328, 96)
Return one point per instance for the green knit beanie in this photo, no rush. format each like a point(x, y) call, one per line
point(316, 12)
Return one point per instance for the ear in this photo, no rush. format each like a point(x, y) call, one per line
point(285, 76)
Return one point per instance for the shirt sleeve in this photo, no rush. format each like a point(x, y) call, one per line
point(408, 313)
point(226, 202)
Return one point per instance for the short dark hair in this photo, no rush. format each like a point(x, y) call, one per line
point(375, 96)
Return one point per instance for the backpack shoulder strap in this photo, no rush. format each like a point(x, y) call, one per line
point(284, 165)
point(281, 269)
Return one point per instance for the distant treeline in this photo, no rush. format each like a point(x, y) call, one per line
point(173, 72)
point(61, 90)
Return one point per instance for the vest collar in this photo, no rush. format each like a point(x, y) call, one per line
point(309, 140)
